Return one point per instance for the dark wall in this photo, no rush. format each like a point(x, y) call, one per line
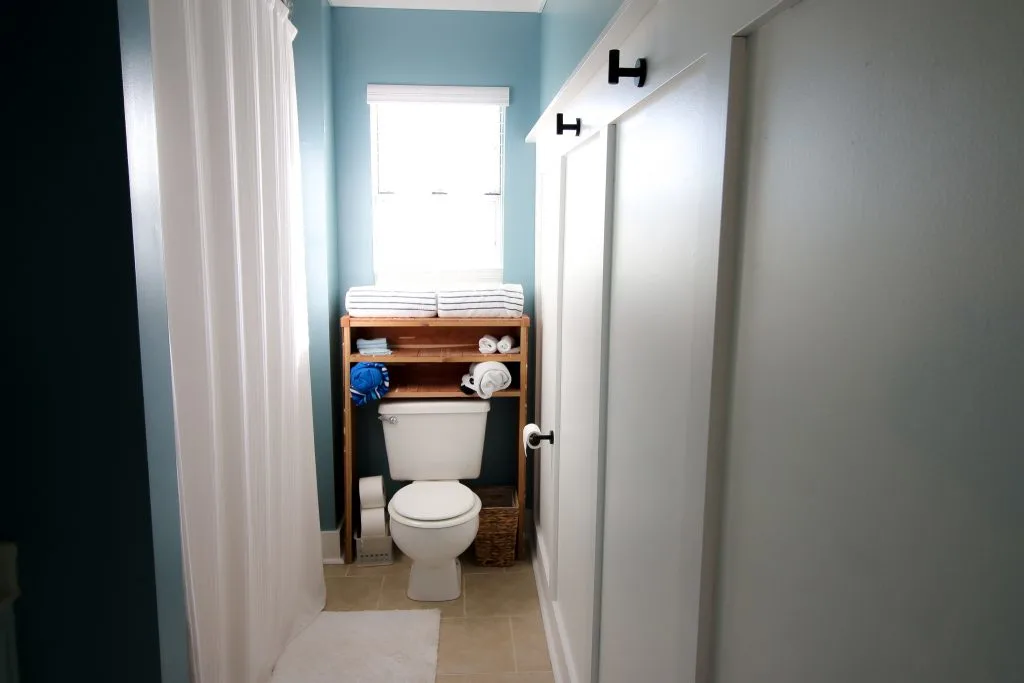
point(74, 480)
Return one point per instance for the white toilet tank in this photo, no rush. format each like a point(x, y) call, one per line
point(434, 440)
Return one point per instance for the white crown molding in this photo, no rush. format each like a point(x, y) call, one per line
point(460, 5)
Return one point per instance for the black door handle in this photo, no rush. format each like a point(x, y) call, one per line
point(535, 439)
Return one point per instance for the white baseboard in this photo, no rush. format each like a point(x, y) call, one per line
point(552, 633)
point(330, 543)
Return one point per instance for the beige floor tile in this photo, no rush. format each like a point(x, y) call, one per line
point(501, 595)
point(523, 564)
point(393, 597)
point(400, 566)
point(457, 678)
point(525, 560)
point(469, 565)
point(531, 677)
point(475, 646)
point(335, 570)
point(531, 646)
point(347, 594)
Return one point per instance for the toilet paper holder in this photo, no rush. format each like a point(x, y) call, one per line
point(535, 439)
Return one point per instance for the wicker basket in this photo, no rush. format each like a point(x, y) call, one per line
point(495, 544)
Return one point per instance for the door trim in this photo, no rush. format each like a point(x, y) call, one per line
point(610, 134)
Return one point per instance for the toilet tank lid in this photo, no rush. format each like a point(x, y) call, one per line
point(410, 407)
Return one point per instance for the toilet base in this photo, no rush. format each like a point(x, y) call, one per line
point(435, 581)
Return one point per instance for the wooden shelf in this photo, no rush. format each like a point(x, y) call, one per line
point(437, 356)
point(439, 391)
point(349, 321)
point(424, 364)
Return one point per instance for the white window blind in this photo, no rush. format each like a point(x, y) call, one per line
point(437, 156)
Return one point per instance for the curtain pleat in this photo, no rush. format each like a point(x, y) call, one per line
point(230, 190)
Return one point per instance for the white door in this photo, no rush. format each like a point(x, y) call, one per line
point(550, 184)
point(654, 493)
point(571, 397)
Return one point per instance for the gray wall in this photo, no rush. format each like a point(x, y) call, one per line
point(874, 516)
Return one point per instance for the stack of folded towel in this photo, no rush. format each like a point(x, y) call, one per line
point(377, 302)
point(369, 382)
point(373, 347)
point(498, 301)
point(491, 344)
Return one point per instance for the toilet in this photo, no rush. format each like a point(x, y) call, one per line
point(434, 444)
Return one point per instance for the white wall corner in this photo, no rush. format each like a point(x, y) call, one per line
point(330, 542)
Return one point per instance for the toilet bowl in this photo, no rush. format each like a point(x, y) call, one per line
point(434, 444)
point(433, 522)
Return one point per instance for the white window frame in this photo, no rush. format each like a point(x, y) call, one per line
point(378, 94)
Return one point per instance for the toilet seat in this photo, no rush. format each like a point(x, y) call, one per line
point(434, 505)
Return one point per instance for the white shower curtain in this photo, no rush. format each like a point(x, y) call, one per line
point(231, 206)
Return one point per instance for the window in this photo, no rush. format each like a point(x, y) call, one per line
point(437, 161)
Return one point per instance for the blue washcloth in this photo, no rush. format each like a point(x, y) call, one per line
point(369, 382)
point(374, 352)
point(372, 343)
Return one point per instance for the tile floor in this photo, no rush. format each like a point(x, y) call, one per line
point(491, 634)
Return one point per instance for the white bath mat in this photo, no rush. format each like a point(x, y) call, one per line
point(364, 647)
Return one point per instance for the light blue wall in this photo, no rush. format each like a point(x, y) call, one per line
point(568, 29)
point(410, 47)
point(312, 48)
point(154, 337)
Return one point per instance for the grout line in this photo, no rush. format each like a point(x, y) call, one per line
point(465, 596)
point(512, 638)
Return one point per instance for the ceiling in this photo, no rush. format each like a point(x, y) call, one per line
point(465, 5)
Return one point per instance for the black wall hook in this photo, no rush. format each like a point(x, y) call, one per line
point(615, 72)
point(561, 127)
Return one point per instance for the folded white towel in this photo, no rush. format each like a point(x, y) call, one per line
point(487, 378)
point(505, 344)
point(488, 343)
point(499, 301)
point(374, 302)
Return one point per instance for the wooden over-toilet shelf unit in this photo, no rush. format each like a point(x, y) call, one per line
point(428, 358)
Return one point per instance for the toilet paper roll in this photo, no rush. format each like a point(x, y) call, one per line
point(528, 431)
point(372, 523)
point(371, 493)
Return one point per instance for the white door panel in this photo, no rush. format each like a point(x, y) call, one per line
point(583, 309)
point(654, 492)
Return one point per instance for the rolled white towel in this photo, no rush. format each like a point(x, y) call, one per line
point(487, 378)
point(506, 344)
point(492, 381)
point(488, 343)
